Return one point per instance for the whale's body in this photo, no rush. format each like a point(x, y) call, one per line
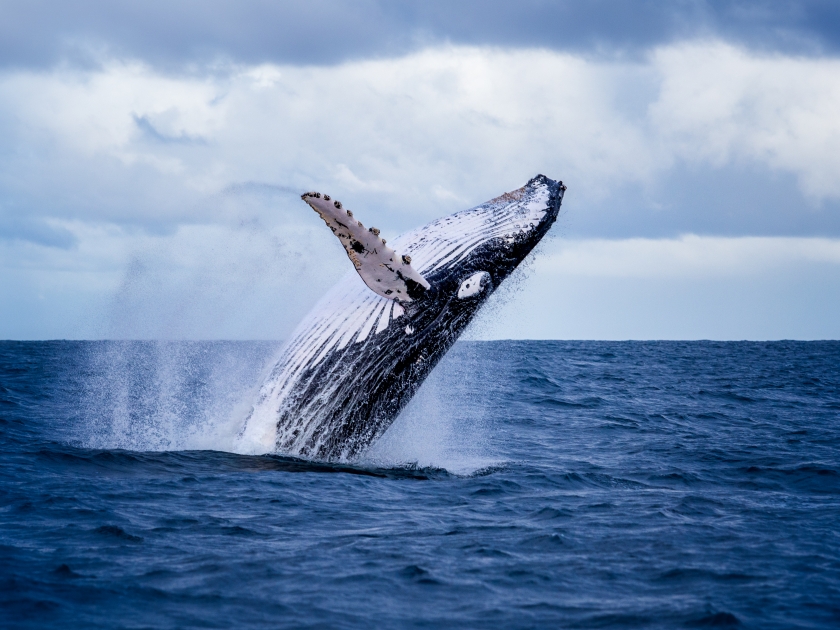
point(357, 358)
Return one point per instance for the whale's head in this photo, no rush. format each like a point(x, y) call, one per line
point(466, 256)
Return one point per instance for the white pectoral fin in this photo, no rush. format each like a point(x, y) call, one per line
point(384, 271)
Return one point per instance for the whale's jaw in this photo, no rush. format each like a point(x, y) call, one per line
point(357, 359)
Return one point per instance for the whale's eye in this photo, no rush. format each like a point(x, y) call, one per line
point(475, 284)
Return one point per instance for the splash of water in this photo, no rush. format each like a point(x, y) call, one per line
point(206, 282)
point(248, 273)
point(173, 396)
point(162, 396)
point(446, 424)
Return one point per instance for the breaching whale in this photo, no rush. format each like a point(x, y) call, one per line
point(359, 356)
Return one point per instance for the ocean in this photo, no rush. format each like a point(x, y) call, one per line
point(529, 484)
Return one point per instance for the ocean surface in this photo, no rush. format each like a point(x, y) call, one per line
point(528, 485)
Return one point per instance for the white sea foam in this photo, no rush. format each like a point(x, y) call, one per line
point(170, 396)
point(177, 396)
point(445, 425)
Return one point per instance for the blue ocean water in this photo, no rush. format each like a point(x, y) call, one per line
point(528, 485)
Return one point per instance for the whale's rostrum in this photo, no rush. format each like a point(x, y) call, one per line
point(359, 356)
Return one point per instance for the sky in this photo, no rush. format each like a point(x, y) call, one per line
point(152, 156)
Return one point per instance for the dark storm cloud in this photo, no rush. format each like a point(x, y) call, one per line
point(43, 32)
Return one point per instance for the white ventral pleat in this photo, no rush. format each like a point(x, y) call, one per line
point(384, 271)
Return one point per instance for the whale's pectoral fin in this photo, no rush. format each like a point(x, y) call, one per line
point(386, 273)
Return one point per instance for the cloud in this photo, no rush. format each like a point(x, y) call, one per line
point(176, 33)
point(148, 128)
point(410, 138)
point(167, 200)
point(253, 275)
point(35, 231)
point(690, 287)
point(688, 256)
point(779, 111)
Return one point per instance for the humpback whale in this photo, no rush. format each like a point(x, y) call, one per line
point(359, 356)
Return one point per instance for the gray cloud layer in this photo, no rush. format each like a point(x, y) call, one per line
point(699, 137)
point(38, 33)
